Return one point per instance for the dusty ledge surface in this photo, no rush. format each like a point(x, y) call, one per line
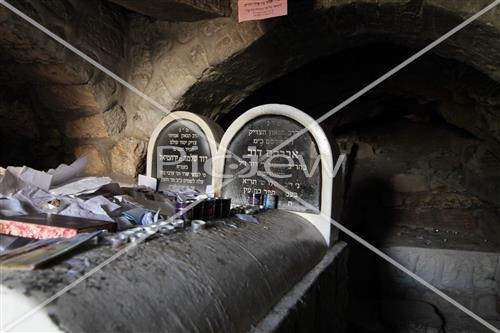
point(222, 279)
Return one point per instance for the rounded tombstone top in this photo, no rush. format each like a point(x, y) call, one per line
point(180, 148)
point(277, 149)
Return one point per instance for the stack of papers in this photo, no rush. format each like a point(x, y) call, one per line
point(24, 190)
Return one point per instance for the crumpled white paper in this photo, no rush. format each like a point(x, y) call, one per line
point(64, 173)
point(81, 186)
point(27, 191)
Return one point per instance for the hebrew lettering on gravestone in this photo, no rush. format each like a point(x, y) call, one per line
point(295, 166)
point(184, 151)
point(300, 172)
point(181, 149)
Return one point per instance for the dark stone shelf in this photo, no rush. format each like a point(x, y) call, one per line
point(222, 279)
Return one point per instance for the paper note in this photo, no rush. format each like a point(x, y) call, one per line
point(249, 10)
point(100, 205)
point(64, 173)
point(79, 210)
point(37, 178)
point(81, 186)
point(149, 182)
point(10, 184)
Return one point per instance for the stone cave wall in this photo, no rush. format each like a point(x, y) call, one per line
point(89, 109)
point(211, 66)
point(64, 107)
point(430, 140)
point(424, 188)
point(206, 66)
point(418, 171)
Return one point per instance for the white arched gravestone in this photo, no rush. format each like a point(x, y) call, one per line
point(179, 147)
point(300, 173)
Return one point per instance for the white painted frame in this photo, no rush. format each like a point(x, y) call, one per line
point(320, 221)
point(211, 129)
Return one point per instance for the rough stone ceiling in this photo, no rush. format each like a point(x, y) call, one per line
point(333, 26)
point(178, 10)
point(462, 95)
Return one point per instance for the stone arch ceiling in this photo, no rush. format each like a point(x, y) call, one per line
point(333, 25)
point(206, 66)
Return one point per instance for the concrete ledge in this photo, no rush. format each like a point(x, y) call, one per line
point(315, 304)
point(469, 277)
point(222, 279)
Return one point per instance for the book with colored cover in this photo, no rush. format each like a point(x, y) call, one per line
point(43, 226)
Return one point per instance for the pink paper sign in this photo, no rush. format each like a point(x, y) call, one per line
point(249, 10)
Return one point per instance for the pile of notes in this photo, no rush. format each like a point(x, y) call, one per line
point(46, 214)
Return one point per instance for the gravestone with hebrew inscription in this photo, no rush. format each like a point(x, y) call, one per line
point(260, 153)
point(252, 166)
point(181, 149)
point(263, 153)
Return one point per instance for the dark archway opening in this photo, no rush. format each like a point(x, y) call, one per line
point(423, 184)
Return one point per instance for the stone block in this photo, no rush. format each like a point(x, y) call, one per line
point(441, 200)
point(24, 44)
point(486, 305)
point(462, 220)
point(86, 128)
point(457, 274)
point(484, 273)
point(429, 268)
point(364, 151)
point(91, 98)
point(391, 274)
point(96, 164)
point(104, 41)
point(69, 73)
point(115, 119)
point(445, 163)
point(67, 97)
point(428, 219)
point(174, 74)
point(484, 162)
point(127, 157)
point(409, 183)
